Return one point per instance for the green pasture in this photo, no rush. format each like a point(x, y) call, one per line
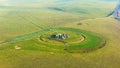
point(22, 21)
point(90, 42)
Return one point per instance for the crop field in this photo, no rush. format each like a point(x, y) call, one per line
point(59, 34)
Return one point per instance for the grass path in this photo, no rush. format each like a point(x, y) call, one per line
point(89, 42)
point(20, 38)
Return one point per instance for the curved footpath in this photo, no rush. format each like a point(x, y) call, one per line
point(91, 42)
point(20, 38)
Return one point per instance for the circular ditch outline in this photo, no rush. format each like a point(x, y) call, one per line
point(95, 41)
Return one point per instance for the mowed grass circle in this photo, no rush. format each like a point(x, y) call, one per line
point(72, 37)
point(78, 41)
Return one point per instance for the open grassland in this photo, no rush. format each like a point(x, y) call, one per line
point(16, 23)
point(83, 40)
point(21, 19)
point(85, 45)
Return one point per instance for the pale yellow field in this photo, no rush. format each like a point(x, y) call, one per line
point(107, 57)
point(16, 18)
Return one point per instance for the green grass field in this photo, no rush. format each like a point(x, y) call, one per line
point(23, 22)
